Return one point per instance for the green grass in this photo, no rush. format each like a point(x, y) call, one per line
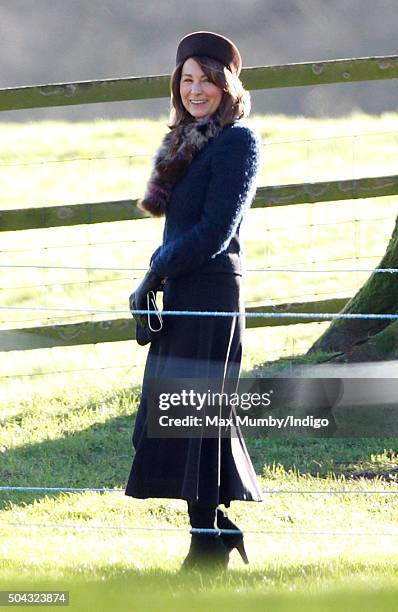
point(156, 590)
point(73, 428)
point(76, 442)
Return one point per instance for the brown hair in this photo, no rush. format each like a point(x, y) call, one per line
point(235, 102)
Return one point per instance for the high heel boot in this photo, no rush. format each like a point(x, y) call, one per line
point(231, 540)
point(207, 550)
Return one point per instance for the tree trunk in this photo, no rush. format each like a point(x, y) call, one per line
point(367, 339)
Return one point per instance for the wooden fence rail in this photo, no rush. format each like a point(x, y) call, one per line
point(273, 195)
point(116, 330)
point(141, 88)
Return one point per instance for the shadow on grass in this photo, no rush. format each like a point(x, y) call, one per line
point(100, 456)
point(370, 458)
point(321, 454)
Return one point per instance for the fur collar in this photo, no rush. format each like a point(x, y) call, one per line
point(171, 161)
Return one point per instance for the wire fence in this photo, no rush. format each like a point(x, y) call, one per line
point(264, 492)
point(209, 531)
point(66, 371)
point(299, 270)
point(149, 153)
point(213, 313)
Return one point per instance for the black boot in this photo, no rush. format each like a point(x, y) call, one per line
point(207, 550)
point(231, 540)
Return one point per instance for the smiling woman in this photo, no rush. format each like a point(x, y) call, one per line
point(203, 181)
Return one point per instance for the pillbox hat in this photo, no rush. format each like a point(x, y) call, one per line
point(211, 45)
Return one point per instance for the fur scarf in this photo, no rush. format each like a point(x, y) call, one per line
point(176, 152)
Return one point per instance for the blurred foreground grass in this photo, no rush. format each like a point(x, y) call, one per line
point(371, 590)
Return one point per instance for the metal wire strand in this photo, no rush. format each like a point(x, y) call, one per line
point(197, 530)
point(264, 492)
point(214, 313)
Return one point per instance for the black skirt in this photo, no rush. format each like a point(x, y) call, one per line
point(205, 470)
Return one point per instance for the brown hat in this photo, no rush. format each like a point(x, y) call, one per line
point(212, 45)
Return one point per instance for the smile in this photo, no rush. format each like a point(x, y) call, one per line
point(198, 101)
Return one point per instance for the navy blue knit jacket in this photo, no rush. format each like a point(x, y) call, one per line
point(206, 207)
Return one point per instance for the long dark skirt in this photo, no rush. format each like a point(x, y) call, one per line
point(208, 471)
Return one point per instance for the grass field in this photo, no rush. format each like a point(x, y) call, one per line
point(309, 551)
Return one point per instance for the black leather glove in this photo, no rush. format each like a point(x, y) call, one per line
point(138, 299)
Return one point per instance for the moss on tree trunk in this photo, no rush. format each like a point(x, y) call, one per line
point(367, 339)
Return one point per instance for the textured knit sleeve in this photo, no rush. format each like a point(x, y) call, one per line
point(232, 187)
point(154, 254)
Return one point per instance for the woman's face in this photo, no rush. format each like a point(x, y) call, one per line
point(200, 97)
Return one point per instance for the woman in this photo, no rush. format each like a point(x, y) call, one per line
point(203, 180)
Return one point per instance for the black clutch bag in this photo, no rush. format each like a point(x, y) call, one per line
point(148, 326)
